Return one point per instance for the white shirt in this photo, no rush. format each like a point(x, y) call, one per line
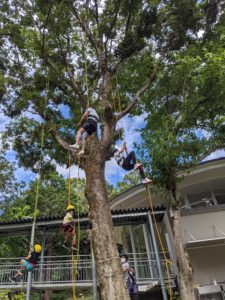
point(119, 158)
point(125, 266)
point(68, 218)
point(92, 112)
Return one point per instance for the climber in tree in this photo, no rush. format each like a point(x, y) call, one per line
point(68, 227)
point(28, 264)
point(129, 162)
point(90, 126)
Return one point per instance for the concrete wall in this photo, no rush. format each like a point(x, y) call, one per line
point(203, 225)
point(208, 263)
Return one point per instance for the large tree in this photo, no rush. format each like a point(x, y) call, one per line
point(185, 124)
point(78, 50)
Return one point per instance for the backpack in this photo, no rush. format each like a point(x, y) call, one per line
point(131, 282)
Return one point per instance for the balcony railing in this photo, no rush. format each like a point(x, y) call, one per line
point(63, 271)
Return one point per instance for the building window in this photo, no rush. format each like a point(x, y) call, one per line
point(203, 199)
point(220, 196)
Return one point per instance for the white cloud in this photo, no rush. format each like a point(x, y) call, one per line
point(215, 155)
point(130, 125)
point(113, 172)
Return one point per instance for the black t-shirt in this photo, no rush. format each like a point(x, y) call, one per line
point(34, 258)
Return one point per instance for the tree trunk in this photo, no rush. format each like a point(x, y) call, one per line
point(184, 265)
point(109, 270)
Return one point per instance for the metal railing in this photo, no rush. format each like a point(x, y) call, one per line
point(62, 271)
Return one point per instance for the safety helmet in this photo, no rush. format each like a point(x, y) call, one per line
point(37, 248)
point(70, 207)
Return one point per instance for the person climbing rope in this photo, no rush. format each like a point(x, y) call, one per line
point(68, 227)
point(28, 264)
point(129, 277)
point(129, 162)
point(90, 126)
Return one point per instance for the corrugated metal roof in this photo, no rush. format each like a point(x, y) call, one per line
point(53, 223)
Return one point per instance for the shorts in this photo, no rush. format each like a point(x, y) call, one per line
point(28, 266)
point(68, 227)
point(90, 126)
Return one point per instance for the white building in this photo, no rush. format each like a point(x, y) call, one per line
point(203, 224)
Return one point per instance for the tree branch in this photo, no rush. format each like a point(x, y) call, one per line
point(76, 87)
point(58, 138)
point(114, 20)
point(191, 113)
point(145, 86)
point(85, 29)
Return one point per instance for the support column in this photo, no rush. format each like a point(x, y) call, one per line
point(157, 257)
point(94, 275)
point(171, 253)
point(134, 252)
point(42, 258)
point(41, 263)
point(144, 226)
point(29, 277)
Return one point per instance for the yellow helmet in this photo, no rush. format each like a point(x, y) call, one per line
point(37, 248)
point(70, 207)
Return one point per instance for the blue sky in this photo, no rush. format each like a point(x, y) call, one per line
point(113, 172)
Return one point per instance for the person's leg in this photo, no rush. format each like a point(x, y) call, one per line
point(133, 296)
point(142, 173)
point(67, 237)
point(21, 263)
point(74, 239)
point(86, 137)
point(79, 133)
point(18, 273)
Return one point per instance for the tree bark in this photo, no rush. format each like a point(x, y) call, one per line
point(109, 270)
point(183, 261)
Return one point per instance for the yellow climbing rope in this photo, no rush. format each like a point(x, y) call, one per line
point(39, 168)
point(74, 258)
point(85, 67)
point(167, 261)
point(119, 106)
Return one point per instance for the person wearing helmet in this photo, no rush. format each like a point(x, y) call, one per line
point(90, 126)
point(28, 264)
point(129, 277)
point(68, 227)
point(129, 162)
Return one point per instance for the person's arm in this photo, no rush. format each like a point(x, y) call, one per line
point(125, 270)
point(83, 118)
point(124, 148)
point(29, 254)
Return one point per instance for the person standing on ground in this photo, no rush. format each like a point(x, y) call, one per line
point(129, 277)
